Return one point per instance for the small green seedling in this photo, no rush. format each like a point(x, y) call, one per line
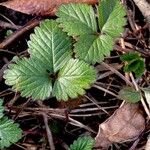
point(51, 69)
point(134, 63)
point(83, 143)
point(9, 131)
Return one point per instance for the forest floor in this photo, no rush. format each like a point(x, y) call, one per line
point(81, 116)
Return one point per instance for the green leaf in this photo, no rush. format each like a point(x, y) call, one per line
point(1, 108)
point(50, 45)
point(93, 48)
point(30, 78)
point(129, 94)
point(140, 68)
point(130, 56)
point(111, 17)
point(73, 79)
point(77, 19)
point(9, 132)
point(132, 66)
point(82, 143)
point(134, 63)
point(49, 65)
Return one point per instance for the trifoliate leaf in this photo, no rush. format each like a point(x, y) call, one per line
point(129, 94)
point(134, 63)
point(77, 19)
point(9, 132)
point(29, 77)
point(93, 48)
point(1, 108)
point(49, 65)
point(73, 79)
point(82, 143)
point(111, 17)
point(50, 45)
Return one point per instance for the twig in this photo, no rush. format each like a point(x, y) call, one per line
point(31, 24)
point(9, 25)
point(142, 99)
point(105, 90)
point(49, 133)
point(117, 73)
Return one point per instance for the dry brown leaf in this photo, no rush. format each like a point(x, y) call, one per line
point(126, 124)
point(40, 7)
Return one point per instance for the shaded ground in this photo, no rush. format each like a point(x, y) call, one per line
point(29, 113)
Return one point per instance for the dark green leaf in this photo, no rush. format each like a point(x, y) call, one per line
point(130, 56)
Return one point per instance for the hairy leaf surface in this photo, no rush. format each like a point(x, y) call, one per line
point(30, 78)
point(9, 132)
point(93, 48)
point(77, 19)
point(73, 79)
point(111, 17)
point(50, 45)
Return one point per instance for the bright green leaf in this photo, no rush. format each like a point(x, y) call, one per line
point(111, 17)
point(129, 94)
point(30, 78)
point(82, 143)
point(93, 48)
point(9, 132)
point(50, 45)
point(73, 79)
point(77, 19)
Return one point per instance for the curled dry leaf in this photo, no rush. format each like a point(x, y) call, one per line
point(40, 7)
point(126, 124)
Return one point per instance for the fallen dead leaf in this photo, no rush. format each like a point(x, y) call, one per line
point(40, 7)
point(126, 124)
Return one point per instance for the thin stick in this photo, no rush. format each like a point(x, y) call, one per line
point(117, 73)
point(106, 91)
point(4, 25)
point(142, 99)
point(49, 133)
point(31, 24)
